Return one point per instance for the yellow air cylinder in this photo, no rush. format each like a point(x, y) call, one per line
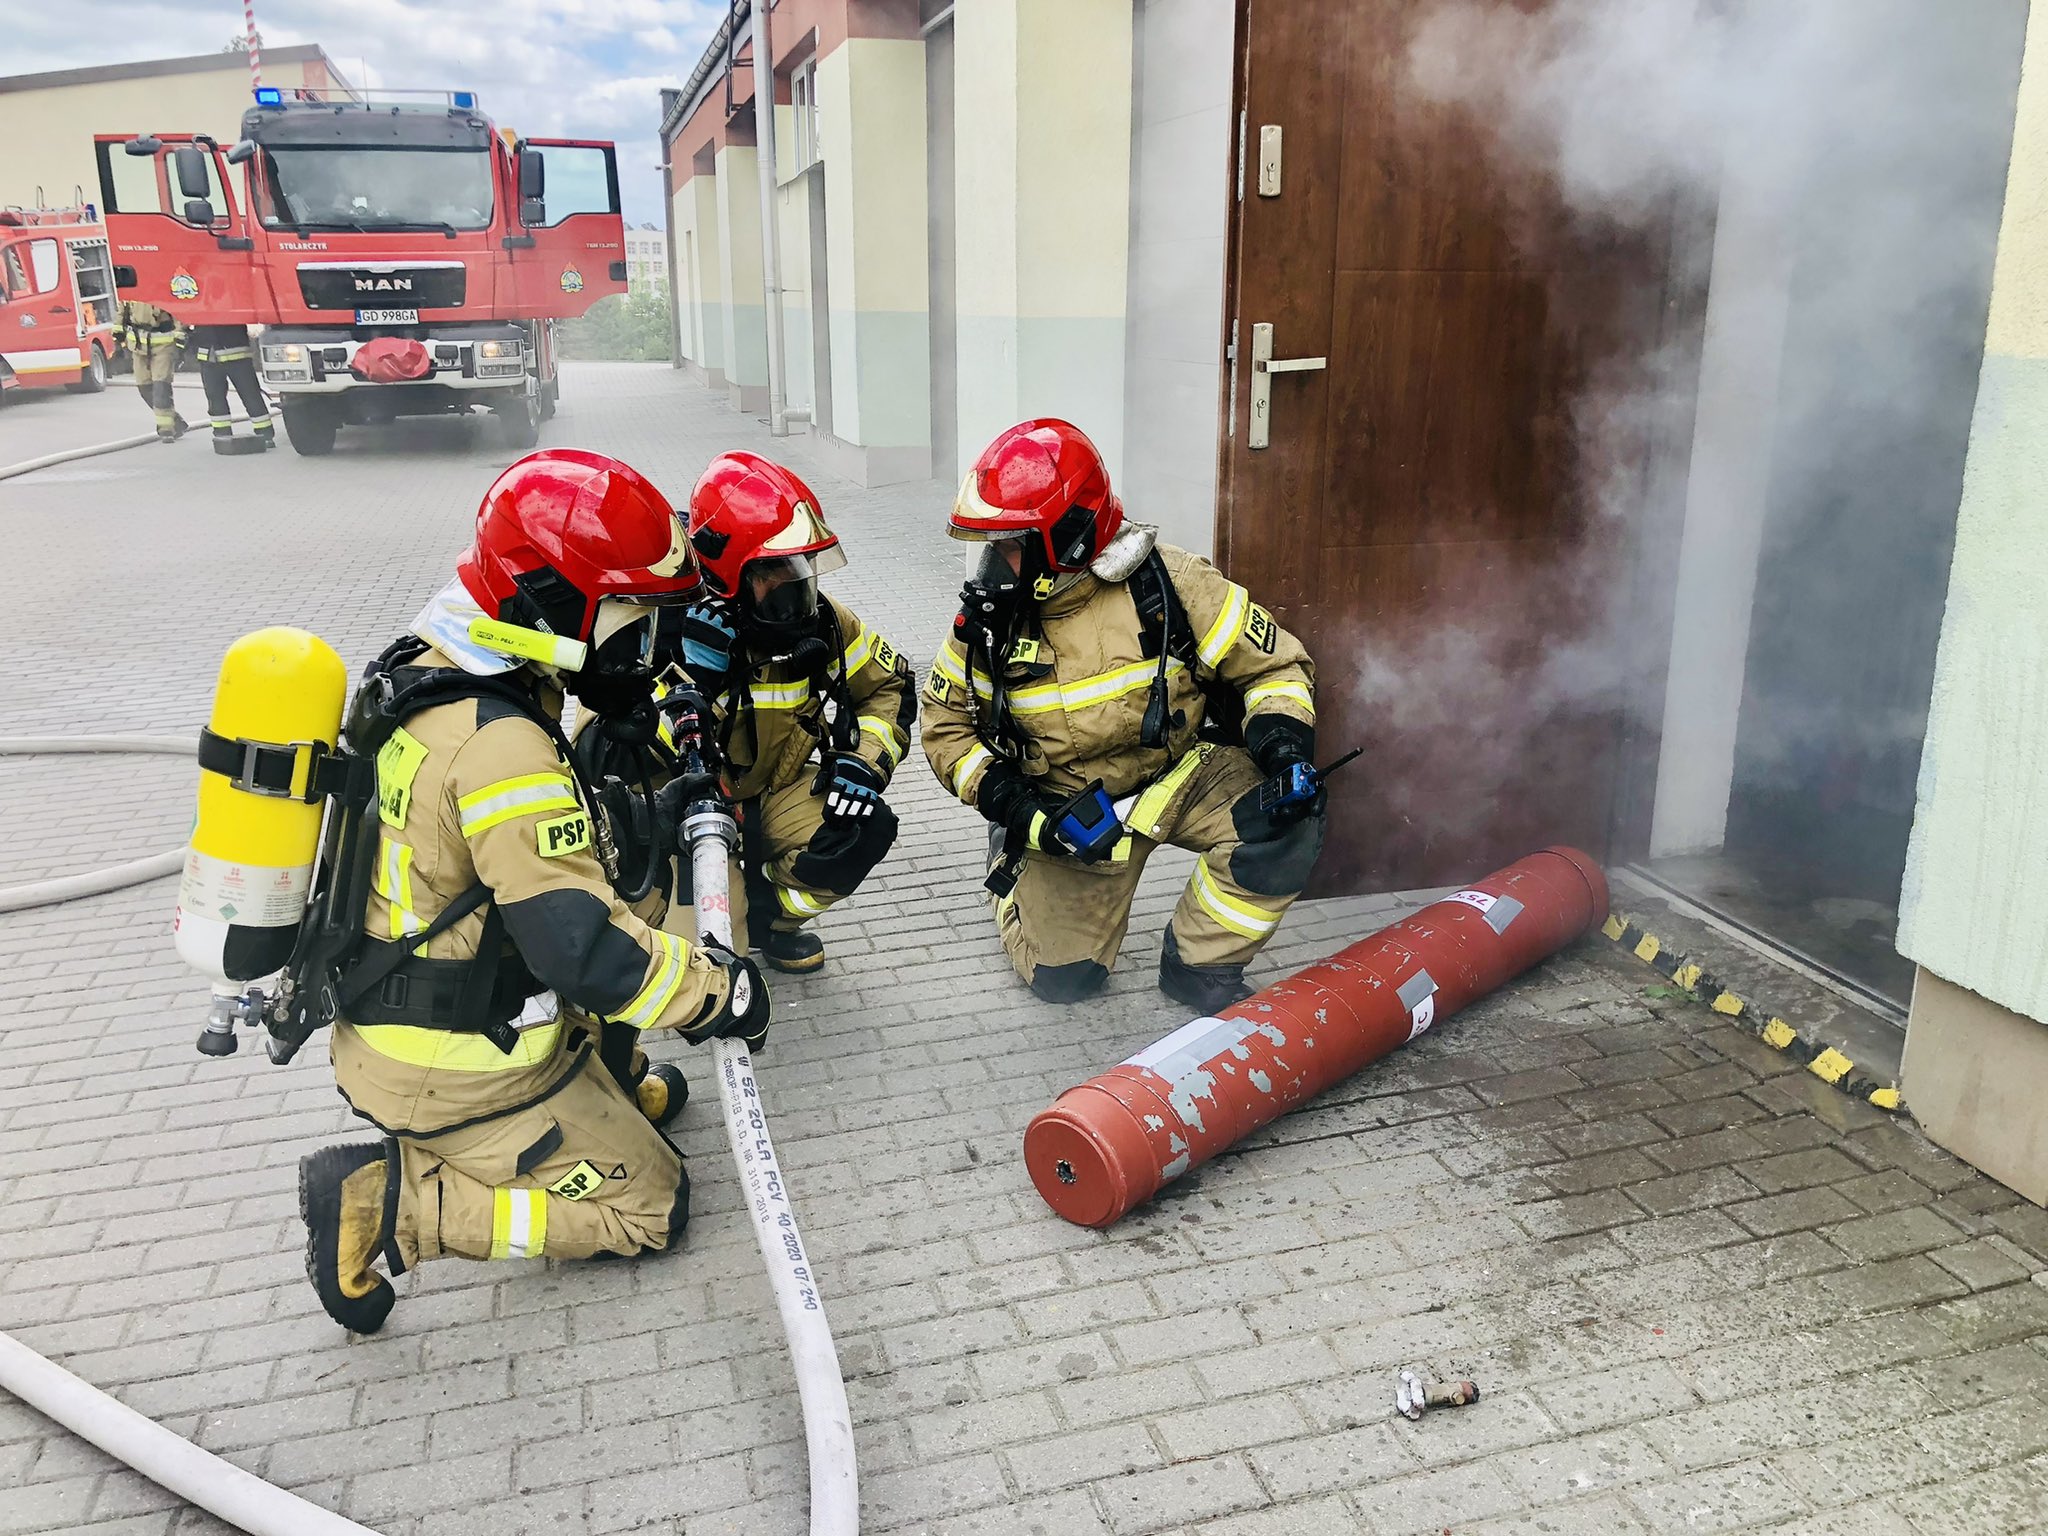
point(249, 869)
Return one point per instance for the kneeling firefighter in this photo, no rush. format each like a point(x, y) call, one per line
point(487, 908)
point(771, 656)
point(1102, 694)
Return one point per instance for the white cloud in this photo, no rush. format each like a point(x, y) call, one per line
point(557, 68)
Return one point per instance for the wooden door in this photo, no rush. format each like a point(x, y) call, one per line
point(1429, 516)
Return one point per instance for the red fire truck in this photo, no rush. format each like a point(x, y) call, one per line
point(404, 255)
point(56, 299)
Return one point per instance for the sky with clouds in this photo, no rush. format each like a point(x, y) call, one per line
point(546, 68)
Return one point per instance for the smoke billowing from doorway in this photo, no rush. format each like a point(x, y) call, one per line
point(1828, 175)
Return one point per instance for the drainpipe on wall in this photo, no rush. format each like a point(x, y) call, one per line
point(669, 101)
point(771, 242)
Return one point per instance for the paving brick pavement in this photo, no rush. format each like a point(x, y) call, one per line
point(1700, 1291)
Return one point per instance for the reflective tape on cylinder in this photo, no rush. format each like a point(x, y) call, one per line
point(1116, 1140)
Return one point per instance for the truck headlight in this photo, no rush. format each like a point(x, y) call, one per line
point(290, 354)
point(491, 349)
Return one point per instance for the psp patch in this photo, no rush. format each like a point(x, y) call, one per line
point(1261, 630)
point(938, 687)
point(564, 835)
point(887, 657)
point(582, 1181)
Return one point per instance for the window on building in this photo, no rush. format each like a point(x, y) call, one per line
point(803, 96)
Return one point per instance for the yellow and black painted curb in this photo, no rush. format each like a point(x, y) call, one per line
point(1689, 976)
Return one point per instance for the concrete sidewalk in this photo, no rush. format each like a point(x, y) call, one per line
point(1700, 1291)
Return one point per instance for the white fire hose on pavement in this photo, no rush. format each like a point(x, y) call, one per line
point(712, 835)
point(199, 1477)
point(42, 893)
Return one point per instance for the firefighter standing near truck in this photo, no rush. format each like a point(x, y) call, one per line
point(152, 337)
point(814, 707)
point(1088, 704)
point(503, 1137)
point(226, 356)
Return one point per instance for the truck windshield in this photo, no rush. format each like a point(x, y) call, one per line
point(398, 188)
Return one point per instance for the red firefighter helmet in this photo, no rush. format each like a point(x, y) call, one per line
point(562, 530)
point(761, 539)
point(1041, 477)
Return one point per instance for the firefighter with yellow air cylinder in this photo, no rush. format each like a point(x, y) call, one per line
point(1088, 704)
point(466, 927)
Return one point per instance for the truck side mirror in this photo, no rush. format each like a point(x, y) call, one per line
point(532, 211)
point(191, 163)
point(533, 175)
point(243, 152)
point(148, 144)
point(199, 213)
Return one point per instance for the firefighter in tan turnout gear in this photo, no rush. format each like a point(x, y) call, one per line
point(493, 910)
point(1084, 706)
point(152, 337)
point(814, 707)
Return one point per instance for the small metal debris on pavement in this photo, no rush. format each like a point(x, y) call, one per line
point(1414, 1396)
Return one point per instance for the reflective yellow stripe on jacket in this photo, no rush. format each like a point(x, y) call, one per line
point(443, 1050)
point(1040, 698)
point(1293, 692)
point(525, 795)
point(1223, 635)
point(781, 695)
point(661, 987)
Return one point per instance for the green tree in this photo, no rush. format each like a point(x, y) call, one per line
point(631, 327)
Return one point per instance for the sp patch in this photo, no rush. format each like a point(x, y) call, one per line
point(564, 835)
point(579, 1182)
point(1260, 629)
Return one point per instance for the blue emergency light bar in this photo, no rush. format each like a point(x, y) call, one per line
point(269, 96)
point(462, 101)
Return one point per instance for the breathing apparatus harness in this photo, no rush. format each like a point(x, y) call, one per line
point(996, 627)
point(335, 965)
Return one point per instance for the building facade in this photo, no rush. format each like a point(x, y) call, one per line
point(985, 212)
point(48, 120)
point(1688, 517)
point(646, 258)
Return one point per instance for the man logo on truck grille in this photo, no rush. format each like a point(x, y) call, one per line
point(383, 285)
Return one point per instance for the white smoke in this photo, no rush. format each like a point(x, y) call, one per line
point(1850, 156)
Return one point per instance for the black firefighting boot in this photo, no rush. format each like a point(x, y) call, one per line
point(795, 950)
point(1204, 988)
point(662, 1094)
point(348, 1196)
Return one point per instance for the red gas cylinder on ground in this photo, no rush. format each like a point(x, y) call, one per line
point(1116, 1140)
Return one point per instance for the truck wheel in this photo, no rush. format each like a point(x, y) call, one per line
point(522, 422)
point(550, 394)
point(311, 426)
point(94, 378)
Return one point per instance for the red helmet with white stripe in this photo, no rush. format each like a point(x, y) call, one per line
point(1042, 482)
point(761, 539)
point(563, 530)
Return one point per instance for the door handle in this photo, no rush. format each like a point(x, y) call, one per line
point(60, 309)
point(1264, 365)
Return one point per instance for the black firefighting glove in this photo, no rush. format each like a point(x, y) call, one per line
point(851, 786)
point(1012, 801)
point(1284, 749)
point(744, 1014)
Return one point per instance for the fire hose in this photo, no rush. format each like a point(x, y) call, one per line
point(711, 834)
point(42, 893)
point(199, 1477)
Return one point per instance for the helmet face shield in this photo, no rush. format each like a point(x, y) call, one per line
point(997, 565)
point(779, 593)
point(622, 638)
